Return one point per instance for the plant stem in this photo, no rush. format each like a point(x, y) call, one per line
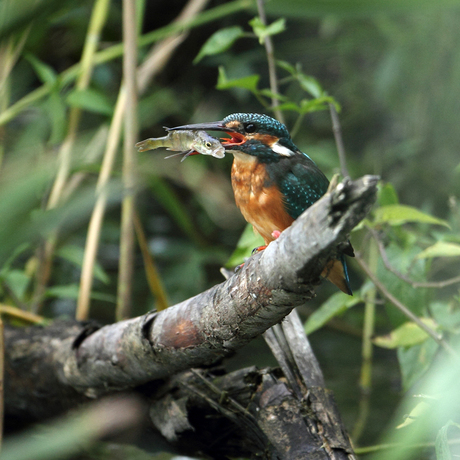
point(115, 51)
point(337, 130)
point(153, 278)
point(95, 223)
point(20, 314)
point(398, 304)
point(144, 74)
point(271, 62)
point(126, 263)
point(365, 381)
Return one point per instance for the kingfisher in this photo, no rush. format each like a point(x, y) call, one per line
point(273, 181)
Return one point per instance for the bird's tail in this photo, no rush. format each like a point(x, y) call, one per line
point(336, 272)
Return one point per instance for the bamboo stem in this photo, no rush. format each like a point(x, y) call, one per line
point(126, 263)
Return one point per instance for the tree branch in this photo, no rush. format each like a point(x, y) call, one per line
point(51, 369)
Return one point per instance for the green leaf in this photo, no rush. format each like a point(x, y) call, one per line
point(247, 242)
point(74, 254)
point(56, 111)
point(287, 67)
point(398, 214)
point(70, 291)
point(415, 361)
point(418, 411)
point(335, 305)
point(18, 281)
point(262, 31)
point(442, 441)
point(387, 194)
point(440, 249)
point(45, 73)
point(90, 100)
point(250, 82)
point(219, 42)
point(406, 335)
point(310, 85)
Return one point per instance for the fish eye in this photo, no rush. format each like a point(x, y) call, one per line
point(208, 145)
point(249, 127)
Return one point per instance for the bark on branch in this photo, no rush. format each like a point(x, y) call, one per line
point(51, 369)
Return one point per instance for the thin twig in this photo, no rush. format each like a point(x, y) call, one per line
point(400, 445)
point(115, 51)
point(98, 19)
point(164, 48)
point(21, 314)
point(398, 304)
point(127, 238)
point(2, 368)
point(153, 278)
point(365, 381)
point(97, 22)
point(271, 62)
point(414, 284)
point(337, 130)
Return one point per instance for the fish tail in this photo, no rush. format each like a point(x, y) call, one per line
point(152, 144)
point(336, 271)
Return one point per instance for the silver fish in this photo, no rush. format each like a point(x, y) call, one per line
point(181, 141)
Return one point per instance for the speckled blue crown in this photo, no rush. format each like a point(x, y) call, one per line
point(265, 124)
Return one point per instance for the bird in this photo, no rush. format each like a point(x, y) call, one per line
point(273, 181)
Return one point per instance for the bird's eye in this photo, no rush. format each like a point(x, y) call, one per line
point(249, 127)
point(208, 145)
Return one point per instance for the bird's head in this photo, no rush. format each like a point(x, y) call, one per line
point(252, 134)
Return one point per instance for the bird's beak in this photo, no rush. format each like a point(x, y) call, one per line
point(235, 137)
point(211, 126)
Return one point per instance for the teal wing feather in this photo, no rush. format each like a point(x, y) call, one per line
point(302, 183)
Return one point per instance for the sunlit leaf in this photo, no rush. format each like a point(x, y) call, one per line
point(247, 242)
point(407, 335)
point(387, 194)
point(418, 411)
point(440, 249)
point(219, 42)
point(442, 441)
point(398, 214)
point(91, 100)
point(310, 85)
point(335, 305)
point(415, 361)
point(250, 82)
point(262, 31)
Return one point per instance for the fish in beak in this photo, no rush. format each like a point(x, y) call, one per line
point(236, 138)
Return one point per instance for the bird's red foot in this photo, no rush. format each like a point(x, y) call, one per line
point(258, 249)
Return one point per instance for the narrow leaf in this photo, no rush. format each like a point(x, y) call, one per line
point(442, 442)
point(387, 195)
point(335, 305)
point(440, 249)
point(45, 73)
point(398, 214)
point(407, 335)
point(250, 82)
point(247, 242)
point(262, 31)
point(74, 254)
point(90, 100)
point(219, 42)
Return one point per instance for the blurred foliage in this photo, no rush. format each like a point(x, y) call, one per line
point(391, 68)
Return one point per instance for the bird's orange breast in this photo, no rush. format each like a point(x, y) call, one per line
point(260, 202)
